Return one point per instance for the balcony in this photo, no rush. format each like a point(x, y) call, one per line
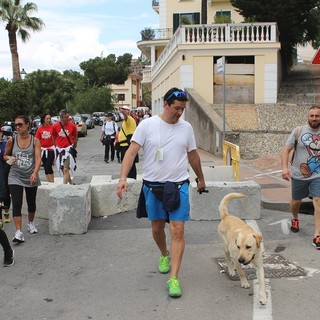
point(155, 5)
point(149, 34)
point(242, 34)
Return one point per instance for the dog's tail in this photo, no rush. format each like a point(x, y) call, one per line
point(224, 202)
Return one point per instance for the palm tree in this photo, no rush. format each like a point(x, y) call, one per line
point(204, 10)
point(18, 19)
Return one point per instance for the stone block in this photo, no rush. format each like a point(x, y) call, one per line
point(42, 201)
point(206, 205)
point(104, 199)
point(70, 209)
point(216, 173)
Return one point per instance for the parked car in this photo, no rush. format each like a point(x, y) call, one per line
point(55, 119)
point(101, 116)
point(89, 120)
point(81, 125)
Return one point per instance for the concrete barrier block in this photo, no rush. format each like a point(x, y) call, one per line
point(104, 199)
point(43, 194)
point(70, 209)
point(216, 173)
point(206, 205)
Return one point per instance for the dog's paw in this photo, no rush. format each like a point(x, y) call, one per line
point(232, 272)
point(263, 299)
point(245, 284)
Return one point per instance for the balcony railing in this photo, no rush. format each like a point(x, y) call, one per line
point(155, 3)
point(156, 34)
point(241, 33)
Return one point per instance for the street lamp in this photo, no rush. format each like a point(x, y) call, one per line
point(23, 74)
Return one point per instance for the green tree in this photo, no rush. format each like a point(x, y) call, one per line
point(15, 99)
point(18, 20)
point(146, 96)
point(50, 91)
point(102, 71)
point(91, 100)
point(298, 21)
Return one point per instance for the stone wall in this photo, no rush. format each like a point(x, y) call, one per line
point(259, 130)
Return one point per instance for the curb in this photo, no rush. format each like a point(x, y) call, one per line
point(305, 208)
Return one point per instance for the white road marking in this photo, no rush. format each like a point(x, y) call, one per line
point(260, 312)
point(284, 225)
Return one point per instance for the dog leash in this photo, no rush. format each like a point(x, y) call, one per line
point(203, 190)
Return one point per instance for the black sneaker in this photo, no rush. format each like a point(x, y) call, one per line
point(316, 242)
point(9, 259)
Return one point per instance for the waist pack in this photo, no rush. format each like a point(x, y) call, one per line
point(168, 193)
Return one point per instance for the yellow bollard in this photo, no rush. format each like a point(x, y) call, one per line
point(231, 157)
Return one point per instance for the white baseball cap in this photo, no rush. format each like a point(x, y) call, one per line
point(125, 107)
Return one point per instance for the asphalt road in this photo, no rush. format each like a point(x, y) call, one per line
point(111, 271)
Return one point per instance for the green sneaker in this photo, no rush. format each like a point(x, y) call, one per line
point(164, 264)
point(7, 217)
point(173, 286)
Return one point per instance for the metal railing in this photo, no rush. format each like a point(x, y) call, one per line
point(156, 34)
point(231, 157)
point(155, 3)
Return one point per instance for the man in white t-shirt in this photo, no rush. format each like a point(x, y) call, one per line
point(169, 145)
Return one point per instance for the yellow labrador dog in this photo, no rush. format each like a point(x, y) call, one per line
point(241, 246)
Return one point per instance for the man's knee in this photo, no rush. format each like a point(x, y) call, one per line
point(316, 202)
point(177, 230)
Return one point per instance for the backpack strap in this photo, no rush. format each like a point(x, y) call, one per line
point(297, 133)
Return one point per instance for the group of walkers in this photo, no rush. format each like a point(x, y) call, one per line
point(21, 157)
point(117, 140)
point(169, 146)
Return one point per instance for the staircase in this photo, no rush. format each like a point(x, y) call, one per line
point(302, 86)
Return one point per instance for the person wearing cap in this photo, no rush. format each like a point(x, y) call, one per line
point(109, 130)
point(169, 144)
point(65, 137)
point(127, 129)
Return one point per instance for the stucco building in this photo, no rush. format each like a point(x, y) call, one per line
point(184, 53)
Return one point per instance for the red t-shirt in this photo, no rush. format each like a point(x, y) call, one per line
point(61, 139)
point(44, 134)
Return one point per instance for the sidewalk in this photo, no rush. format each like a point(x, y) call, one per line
point(266, 171)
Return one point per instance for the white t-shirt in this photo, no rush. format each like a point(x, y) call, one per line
point(165, 149)
point(110, 128)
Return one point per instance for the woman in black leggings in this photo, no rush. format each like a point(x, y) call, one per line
point(24, 154)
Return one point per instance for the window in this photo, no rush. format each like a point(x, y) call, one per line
point(121, 97)
point(185, 18)
point(223, 16)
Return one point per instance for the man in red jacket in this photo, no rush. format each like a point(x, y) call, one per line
point(65, 137)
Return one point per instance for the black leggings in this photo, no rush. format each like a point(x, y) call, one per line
point(48, 162)
point(5, 242)
point(17, 197)
point(107, 149)
point(133, 171)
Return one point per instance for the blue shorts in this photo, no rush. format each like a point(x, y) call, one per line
point(305, 188)
point(155, 209)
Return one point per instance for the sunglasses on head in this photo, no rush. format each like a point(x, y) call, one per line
point(19, 124)
point(178, 95)
point(63, 112)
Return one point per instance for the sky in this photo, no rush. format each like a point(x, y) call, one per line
point(79, 30)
